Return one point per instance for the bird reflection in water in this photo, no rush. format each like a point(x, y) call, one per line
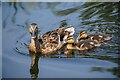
point(34, 69)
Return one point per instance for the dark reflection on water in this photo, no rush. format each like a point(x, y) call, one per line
point(93, 17)
point(34, 70)
point(114, 70)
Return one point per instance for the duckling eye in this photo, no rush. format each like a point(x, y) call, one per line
point(66, 31)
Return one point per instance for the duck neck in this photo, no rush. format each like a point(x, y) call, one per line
point(36, 44)
point(34, 40)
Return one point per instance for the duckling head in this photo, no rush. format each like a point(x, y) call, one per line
point(69, 39)
point(70, 42)
point(33, 29)
point(83, 34)
point(70, 30)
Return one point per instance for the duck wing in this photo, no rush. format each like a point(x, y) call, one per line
point(100, 38)
point(85, 45)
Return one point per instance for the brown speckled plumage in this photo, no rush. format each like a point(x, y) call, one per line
point(99, 38)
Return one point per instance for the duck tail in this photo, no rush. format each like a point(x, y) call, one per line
point(108, 38)
point(97, 44)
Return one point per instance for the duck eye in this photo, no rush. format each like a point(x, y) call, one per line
point(36, 28)
point(30, 32)
point(35, 32)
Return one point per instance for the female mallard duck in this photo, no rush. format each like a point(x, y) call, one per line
point(98, 38)
point(38, 46)
point(49, 43)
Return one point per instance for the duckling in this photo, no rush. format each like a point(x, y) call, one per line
point(98, 38)
point(80, 45)
point(37, 45)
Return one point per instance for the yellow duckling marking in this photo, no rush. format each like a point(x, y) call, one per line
point(69, 46)
point(83, 35)
point(92, 43)
point(91, 38)
point(86, 48)
point(70, 39)
point(81, 46)
point(100, 36)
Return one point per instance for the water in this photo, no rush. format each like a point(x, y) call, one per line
point(101, 62)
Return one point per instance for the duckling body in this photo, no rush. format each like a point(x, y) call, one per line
point(85, 45)
point(80, 45)
point(98, 38)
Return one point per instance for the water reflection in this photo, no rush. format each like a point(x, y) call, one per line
point(114, 70)
point(34, 69)
point(94, 13)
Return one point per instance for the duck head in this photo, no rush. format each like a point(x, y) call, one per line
point(70, 30)
point(83, 34)
point(68, 35)
point(33, 29)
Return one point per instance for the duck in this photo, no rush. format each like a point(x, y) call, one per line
point(48, 43)
point(39, 46)
point(98, 38)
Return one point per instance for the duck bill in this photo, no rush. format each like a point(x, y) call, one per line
point(33, 36)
